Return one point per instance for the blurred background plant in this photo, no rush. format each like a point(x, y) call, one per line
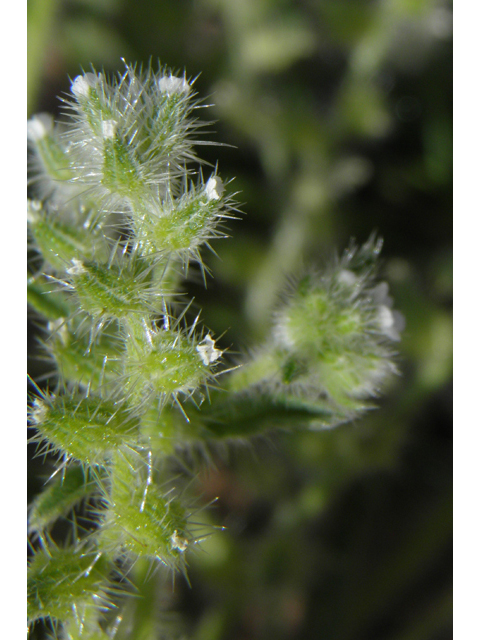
point(339, 117)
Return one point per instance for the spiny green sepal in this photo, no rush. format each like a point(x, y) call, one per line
point(114, 291)
point(64, 583)
point(87, 429)
point(60, 495)
point(140, 520)
point(59, 242)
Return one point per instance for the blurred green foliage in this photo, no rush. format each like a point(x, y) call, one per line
point(339, 117)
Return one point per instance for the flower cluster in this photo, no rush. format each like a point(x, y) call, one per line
point(120, 209)
point(332, 338)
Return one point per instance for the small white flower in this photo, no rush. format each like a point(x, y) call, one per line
point(81, 85)
point(347, 277)
point(178, 542)
point(39, 127)
point(172, 84)
point(207, 351)
point(391, 322)
point(380, 295)
point(39, 411)
point(109, 128)
point(214, 188)
point(77, 268)
point(33, 210)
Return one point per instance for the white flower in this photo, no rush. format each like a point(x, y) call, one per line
point(178, 542)
point(33, 210)
point(81, 85)
point(214, 188)
point(108, 128)
point(77, 268)
point(207, 351)
point(380, 295)
point(172, 84)
point(39, 411)
point(39, 127)
point(391, 322)
point(347, 277)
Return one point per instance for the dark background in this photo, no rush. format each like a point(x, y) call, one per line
point(339, 116)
